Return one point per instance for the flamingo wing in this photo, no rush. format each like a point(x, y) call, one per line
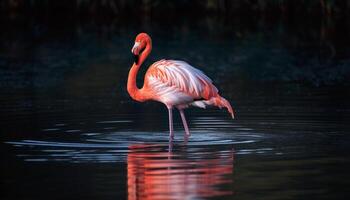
point(172, 77)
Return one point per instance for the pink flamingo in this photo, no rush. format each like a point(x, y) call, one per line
point(173, 83)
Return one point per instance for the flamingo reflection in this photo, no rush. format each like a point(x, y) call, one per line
point(157, 174)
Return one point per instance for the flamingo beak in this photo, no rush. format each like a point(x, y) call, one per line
point(136, 50)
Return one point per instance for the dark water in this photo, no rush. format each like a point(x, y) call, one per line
point(70, 131)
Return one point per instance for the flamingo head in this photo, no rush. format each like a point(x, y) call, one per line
point(141, 42)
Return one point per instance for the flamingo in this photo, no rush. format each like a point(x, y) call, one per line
point(172, 82)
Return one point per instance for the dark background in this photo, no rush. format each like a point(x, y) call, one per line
point(283, 64)
point(63, 56)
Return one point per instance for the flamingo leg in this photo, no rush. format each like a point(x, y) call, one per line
point(184, 122)
point(171, 144)
point(171, 127)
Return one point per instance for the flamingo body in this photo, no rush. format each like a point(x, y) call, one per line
point(173, 83)
point(176, 83)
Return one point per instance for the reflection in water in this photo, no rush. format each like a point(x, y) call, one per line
point(154, 173)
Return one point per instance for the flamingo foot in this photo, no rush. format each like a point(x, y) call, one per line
point(186, 139)
point(171, 144)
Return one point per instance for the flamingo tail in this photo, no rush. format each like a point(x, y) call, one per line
point(215, 101)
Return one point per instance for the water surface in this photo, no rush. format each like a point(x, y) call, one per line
point(69, 129)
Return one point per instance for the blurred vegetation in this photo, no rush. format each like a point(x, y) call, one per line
point(280, 8)
point(287, 40)
point(327, 16)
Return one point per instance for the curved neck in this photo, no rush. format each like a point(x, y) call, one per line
point(132, 88)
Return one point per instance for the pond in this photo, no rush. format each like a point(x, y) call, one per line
point(70, 130)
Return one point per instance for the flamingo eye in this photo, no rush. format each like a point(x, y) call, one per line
point(142, 47)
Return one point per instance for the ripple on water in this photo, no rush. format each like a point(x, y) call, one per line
point(107, 145)
point(114, 147)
